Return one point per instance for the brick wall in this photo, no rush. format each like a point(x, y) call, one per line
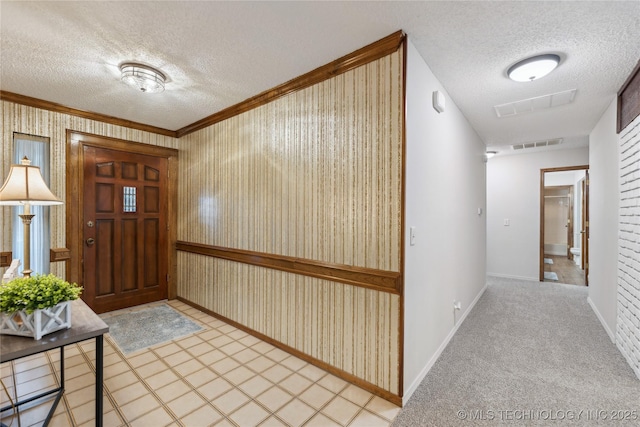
point(628, 324)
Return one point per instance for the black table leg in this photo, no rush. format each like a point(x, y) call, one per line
point(62, 368)
point(58, 392)
point(60, 389)
point(99, 380)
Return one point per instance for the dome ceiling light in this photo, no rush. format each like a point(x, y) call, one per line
point(142, 77)
point(533, 68)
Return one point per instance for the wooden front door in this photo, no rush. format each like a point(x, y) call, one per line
point(124, 228)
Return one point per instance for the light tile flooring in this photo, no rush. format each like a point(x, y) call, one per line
point(219, 376)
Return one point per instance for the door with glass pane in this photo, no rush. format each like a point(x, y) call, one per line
point(124, 228)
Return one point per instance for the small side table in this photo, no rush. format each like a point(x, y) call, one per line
point(86, 325)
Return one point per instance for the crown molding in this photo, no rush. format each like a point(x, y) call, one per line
point(58, 108)
point(362, 56)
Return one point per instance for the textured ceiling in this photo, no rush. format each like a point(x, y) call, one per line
point(217, 54)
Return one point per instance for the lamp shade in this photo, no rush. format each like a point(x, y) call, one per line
point(25, 185)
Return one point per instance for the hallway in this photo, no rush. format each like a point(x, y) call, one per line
point(529, 353)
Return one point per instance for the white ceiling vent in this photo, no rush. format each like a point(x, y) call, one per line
point(535, 104)
point(537, 144)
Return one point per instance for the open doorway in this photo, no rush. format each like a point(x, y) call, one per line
point(564, 225)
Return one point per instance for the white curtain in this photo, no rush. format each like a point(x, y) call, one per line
point(37, 150)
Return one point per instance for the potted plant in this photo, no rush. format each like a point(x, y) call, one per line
point(37, 305)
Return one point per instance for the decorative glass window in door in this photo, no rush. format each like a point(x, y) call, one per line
point(129, 200)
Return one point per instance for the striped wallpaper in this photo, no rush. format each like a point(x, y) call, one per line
point(314, 175)
point(317, 175)
point(351, 328)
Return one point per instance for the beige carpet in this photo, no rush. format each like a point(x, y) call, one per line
point(528, 354)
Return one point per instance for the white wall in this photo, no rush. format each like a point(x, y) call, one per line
point(513, 193)
point(628, 322)
point(445, 186)
point(603, 218)
point(553, 179)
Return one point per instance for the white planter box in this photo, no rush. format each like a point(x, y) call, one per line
point(38, 323)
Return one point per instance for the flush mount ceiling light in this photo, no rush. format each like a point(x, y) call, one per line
point(490, 154)
point(533, 68)
point(142, 77)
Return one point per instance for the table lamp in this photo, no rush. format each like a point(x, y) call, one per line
point(25, 186)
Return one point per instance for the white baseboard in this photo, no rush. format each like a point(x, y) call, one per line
point(423, 373)
point(508, 276)
point(612, 336)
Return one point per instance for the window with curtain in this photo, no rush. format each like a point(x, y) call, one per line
point(36, 148)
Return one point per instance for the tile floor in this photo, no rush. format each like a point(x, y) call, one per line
point(219, 376)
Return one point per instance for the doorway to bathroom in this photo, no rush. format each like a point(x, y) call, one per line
point(564, 225)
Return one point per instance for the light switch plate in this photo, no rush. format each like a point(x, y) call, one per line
point(412, 236)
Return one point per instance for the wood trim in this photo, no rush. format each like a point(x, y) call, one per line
point(74, 197)
point(369, 53)
point(585, 214)
point(631, 87)
point(58, 108)
point(5, 259)
point(59, 254)
point(403, 230)
point(119, 144)
point(396, 400)
point(564, 169)
point(541, 237)
point(570, 224)
point(380, 280)
point(542, 172)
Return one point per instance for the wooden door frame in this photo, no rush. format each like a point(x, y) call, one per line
point(74, 198)
point(585, 230)
point(541, 242)
point(570, 223)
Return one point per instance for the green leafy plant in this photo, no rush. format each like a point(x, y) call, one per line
point(36, 292)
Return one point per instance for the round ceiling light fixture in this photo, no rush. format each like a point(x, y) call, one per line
point(142, 77)
point(533, 68)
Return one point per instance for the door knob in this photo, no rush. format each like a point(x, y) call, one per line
point(90, 241)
